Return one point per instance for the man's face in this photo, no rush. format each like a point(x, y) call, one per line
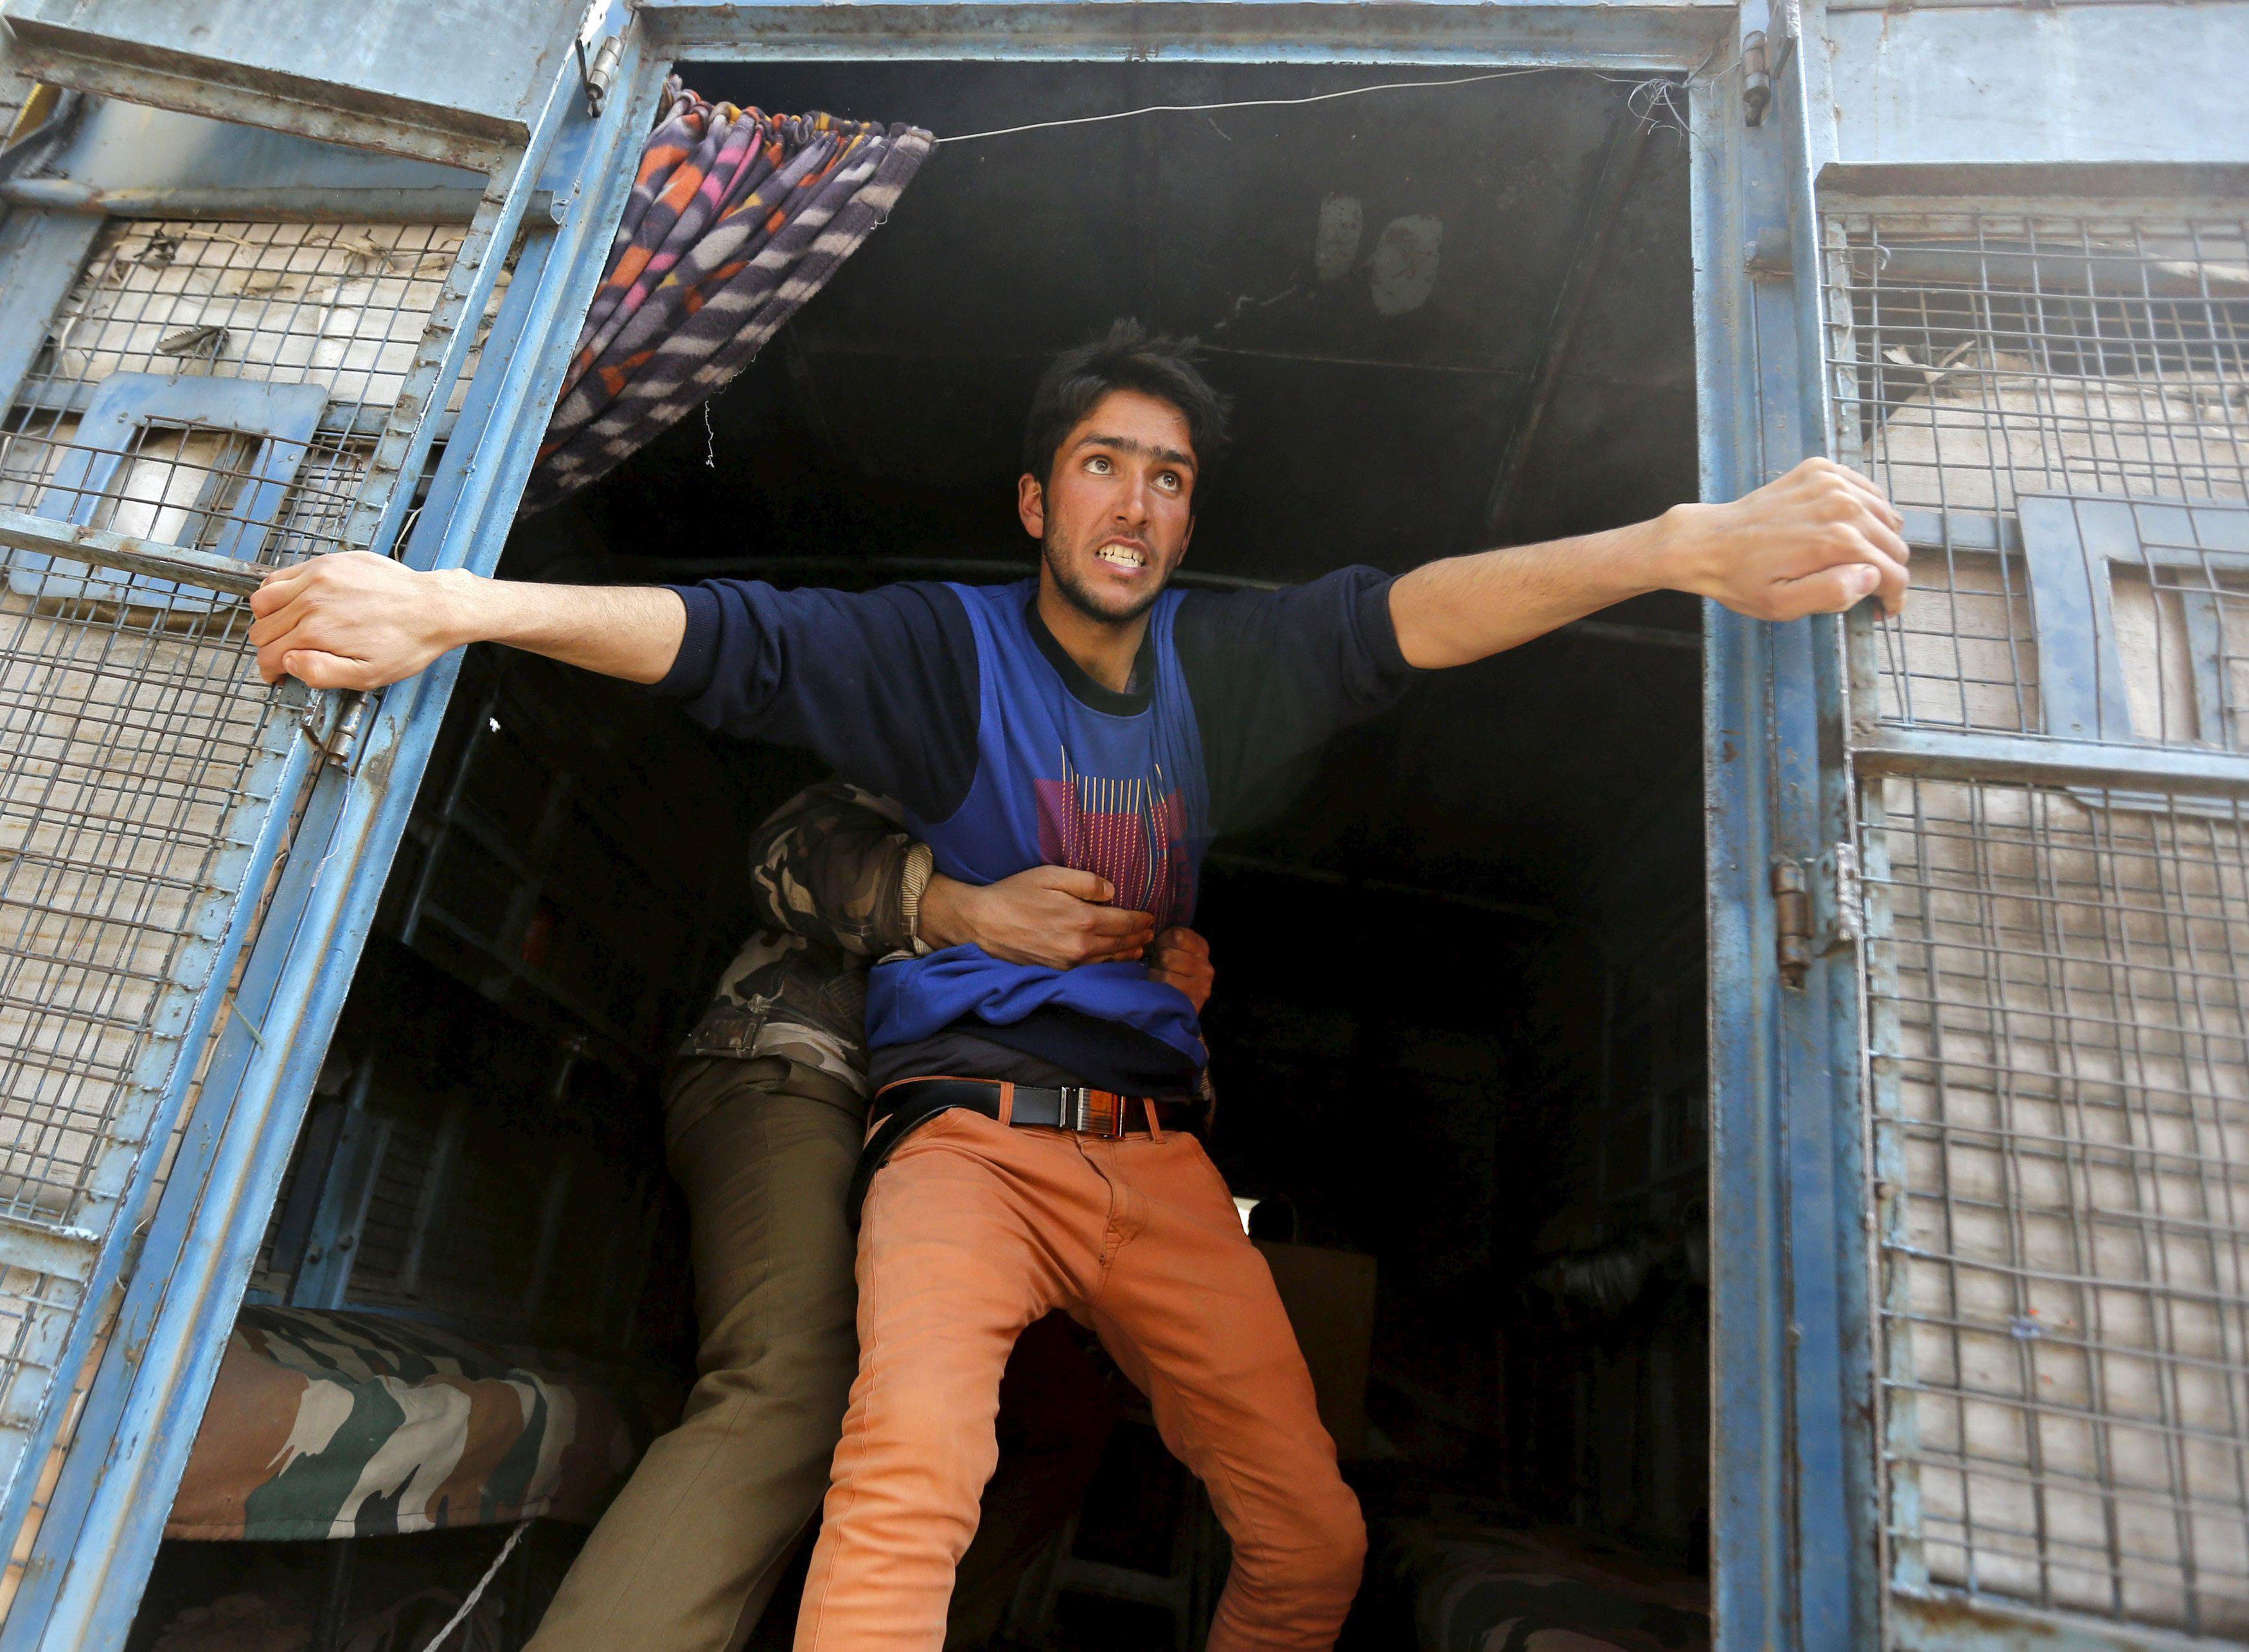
point(1115, 514)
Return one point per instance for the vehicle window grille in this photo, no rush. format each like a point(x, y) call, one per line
point(2059, 989)
point(1978, 357)
point(137, 747)
point(343, 307)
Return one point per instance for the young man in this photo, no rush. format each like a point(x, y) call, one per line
point(765, 1110)
point(1093, 718)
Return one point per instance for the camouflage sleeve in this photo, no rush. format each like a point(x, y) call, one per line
point(835, 865)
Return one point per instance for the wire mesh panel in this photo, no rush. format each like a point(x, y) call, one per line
point(1976, 357)
point(2057, 964)
point(223, 389)
point(2062, 1157)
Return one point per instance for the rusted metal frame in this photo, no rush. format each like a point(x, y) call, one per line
point(2034, 760)
point(107, 1512)
point(1898, 1471)
point(386, 493)
point(40, 1247)
point(293, 203)
point(127, 554)
point(312, 112)
point(1794, 1511)
point(337, 419)
point(1665, 34)
point(2080, 666)
point(40, 256)
point(1891, 5)
point(1620, 163)
point(1932, 1619)
point(2073, 542)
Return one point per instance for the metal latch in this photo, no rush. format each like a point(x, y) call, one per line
point(1842, 866)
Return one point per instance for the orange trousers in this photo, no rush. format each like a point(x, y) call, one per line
point(974, 1229)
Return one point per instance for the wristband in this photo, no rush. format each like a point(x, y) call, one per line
point(921, 861)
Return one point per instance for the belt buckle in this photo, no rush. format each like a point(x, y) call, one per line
point(1077, 1114)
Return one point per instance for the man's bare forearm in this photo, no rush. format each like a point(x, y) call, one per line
point(632, 631)
point(1466, 608)
point(356, 621)
point(1816, 541)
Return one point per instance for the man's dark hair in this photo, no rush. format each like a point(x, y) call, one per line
point(1129, 358)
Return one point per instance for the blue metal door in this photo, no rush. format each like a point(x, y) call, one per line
point(1792, 1515)
point(209, 387)
point(2054, 811)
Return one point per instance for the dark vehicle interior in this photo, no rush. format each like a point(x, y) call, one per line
point(1458, 1023)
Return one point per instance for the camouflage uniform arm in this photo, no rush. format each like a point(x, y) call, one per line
point(835, 866)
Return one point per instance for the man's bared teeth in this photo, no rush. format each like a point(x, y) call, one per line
point(1123, 555)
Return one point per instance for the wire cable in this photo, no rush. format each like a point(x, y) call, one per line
point(477, 1594)
point(1259, 103)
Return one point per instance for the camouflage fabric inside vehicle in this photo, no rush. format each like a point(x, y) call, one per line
point(342, 1425)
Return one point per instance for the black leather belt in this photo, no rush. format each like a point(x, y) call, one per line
point(903, 1106)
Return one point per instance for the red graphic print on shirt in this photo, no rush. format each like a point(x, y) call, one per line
point(1132, 832)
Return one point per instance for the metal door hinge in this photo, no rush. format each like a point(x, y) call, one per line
point(597, 71)
point(1800, 932)
point(1770, 30)
point(1757, 78)
point(1792, 920)
point(331, 721)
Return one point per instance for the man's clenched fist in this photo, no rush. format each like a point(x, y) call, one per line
point(351, 620)
point(1816, 541)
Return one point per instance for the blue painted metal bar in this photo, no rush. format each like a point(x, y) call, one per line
point(100, 1533)
point(1941, 1620)
point(403, 448)
point(1948, 754)
point(1665, 34)
point(2080, 669)
point(1749, 1556)
point(1793, 1558)
point(1838, 1500)
point(40, 255)
point(323, 1276)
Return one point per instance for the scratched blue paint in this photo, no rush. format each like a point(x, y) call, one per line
point(1793, 1509)
point(107, 1513)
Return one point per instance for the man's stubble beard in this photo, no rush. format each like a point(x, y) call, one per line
point(1074, 593)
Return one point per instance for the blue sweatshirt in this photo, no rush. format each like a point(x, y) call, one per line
point(959, 702)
